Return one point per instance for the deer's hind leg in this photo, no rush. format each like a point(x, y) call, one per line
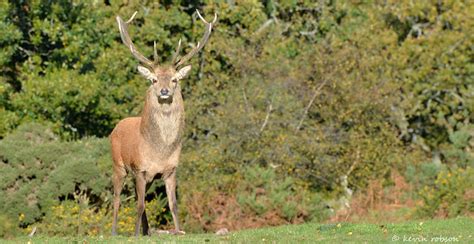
point(117, 179)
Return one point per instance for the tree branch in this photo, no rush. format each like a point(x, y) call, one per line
point(265, 25)
point(316, 93)
point(270, 108)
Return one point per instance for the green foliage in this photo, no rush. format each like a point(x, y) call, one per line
point(8, 120)
point(422, 174)
point(435, 60)
point(458, 151)
point(450, 194)
point(38, 171)
point(261, 191)
point(66, 185)
point(264, 111)
point(78, 104)
point(8, 41)
point(73, 218)
point(79, 218)
point(317, 91)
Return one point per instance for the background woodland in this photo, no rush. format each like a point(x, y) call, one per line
point(296, 111)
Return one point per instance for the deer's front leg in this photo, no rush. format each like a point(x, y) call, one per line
point(170, 182)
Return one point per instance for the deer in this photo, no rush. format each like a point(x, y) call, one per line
point(150, 145)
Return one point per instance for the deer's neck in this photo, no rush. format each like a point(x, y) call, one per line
point(163, 123)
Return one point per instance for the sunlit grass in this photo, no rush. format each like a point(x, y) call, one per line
point(459, 230)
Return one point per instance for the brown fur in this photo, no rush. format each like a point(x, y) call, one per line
point(149, 145)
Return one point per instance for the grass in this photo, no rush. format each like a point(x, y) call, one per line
point(459, 230)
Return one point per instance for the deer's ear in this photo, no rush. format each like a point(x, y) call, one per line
point(182, 72)
point(146, 73)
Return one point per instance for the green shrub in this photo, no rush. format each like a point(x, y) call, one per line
point(79, 218)
point(64, 185)
point(38, 171)
point(423, 174)
point(261, 190)
point(318, 90)
point(450, 195)
point(458, 152)
point(254, 196)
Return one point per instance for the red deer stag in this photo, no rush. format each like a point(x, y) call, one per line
point(151, 144)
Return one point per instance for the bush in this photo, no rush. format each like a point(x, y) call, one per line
point(64, 185)
point(80, 218)
point(318, 91)
point(459, 151)
point(450, 195)
point(261, 191)
point(254, 197)
point(38, 171)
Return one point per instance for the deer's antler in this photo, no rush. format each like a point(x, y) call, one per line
point(199, 45)
point(123, 27)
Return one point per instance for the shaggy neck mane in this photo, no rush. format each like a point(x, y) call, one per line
point(161, 123)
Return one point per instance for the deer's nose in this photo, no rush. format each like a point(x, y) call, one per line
point(164, 92)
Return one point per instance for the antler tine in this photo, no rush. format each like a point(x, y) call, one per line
point(155, 53)
point(201, 43)
point(123, 27)
point(204, 20)
point(131, 18)
point(176, 52)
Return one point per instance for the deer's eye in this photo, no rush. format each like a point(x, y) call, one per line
point(174, 80)
point(153, 81)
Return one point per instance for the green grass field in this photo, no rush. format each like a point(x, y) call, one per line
point(458, 230)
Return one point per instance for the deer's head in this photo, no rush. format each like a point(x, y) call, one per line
point(164, 78)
